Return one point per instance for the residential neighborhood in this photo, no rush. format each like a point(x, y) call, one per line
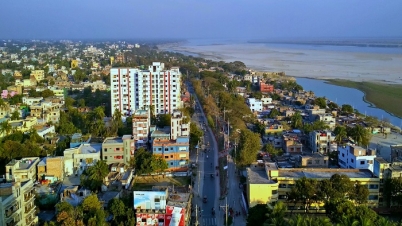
point(82, 121)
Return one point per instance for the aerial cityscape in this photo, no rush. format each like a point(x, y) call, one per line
point(201, 113)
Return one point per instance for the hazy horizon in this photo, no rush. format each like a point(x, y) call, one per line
point(191, 19)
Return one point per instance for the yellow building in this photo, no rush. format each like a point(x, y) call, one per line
point(267, 184)
point(17, 203)
point(38, 74)
point(23, 125)
point(74, 63)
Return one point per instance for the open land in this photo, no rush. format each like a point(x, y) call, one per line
point(384, 96)
point(378, 75)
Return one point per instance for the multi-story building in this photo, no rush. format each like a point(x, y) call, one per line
point(141, 123)
point(39, 75)
point(77, 159)
point(17, 205)
point(316, 160)
point(175, 152)
point(266, 88)
point(278, 182)
point(46, 111)
point(291, 143)
point(322, 141)
point(51, 168)
point(22, 170)
point(179, 125)
point(274, 128)
point(351, 156)
point(255, 105)
point(133, 89)
point(118, 149)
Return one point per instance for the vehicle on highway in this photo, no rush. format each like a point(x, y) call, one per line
point(204, 200)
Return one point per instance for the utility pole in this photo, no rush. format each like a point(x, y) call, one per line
point(196, 215)
point(226, 210)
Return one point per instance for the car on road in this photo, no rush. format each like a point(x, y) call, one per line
point(204, 200)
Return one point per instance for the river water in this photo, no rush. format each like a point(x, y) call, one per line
point(343, 95)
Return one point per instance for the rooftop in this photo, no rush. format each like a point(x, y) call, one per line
point(24, 163)
point(257, 175)
point(141, 113)
point(113, 140)
point(323, 173)
point(381, 160)
point(90, 148)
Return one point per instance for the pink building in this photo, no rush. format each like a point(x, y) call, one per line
point(5, 93)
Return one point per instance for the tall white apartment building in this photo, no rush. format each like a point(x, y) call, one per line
point(133, 89)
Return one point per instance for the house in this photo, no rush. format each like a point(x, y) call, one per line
point(277, 183)
point(77, 159)
point(255, 105)
point(46, 111)
point(292, 143)
point(322, 141)
point(351, 156)
point(17, 203)
point(266, 88)
point(22, 170)
point(118, 149)
point(315, 160)
point(141, 123)
point(274, 128)
point(51, 168)
point(175, 152)
point(39, 75)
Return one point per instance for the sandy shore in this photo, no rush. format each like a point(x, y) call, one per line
point(317, 64)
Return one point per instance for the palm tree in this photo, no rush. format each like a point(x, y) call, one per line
point(348, 221)
point(382, 221)
point(361, 135)
point(95, 174)
point(297, 120)
point(341, 133)
point(5, 128)
point(299, 220)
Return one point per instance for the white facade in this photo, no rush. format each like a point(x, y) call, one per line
point(133, 89)
point(77, 159)
point(322, 141)
point(178, 128)
point(266, 100)
point(255, 105)
point(355, 157)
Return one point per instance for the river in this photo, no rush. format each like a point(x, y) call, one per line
point(343, 95)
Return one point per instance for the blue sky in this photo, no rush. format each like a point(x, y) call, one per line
point(237, 19)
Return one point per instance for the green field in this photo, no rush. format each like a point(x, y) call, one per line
point(147, 182)
point(384, 96)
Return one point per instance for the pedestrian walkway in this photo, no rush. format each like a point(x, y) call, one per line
point(209, 221)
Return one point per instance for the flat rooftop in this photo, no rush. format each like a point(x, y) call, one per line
point(141, 113)
point(323, 173)
point(113, 140)
point(24, 163)
point(257, 175)
point(90, 148)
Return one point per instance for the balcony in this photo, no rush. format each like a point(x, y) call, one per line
point(29, 197)
point(30, 210)
point(30, 221)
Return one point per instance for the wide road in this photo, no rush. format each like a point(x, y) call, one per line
point(209, 182)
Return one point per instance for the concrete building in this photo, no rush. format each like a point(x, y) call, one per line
point(274, 128)
point(118, 149)
point(255, 105)
point(322, 141)
point(179, 125)
point(39, 75)
point(17, 205)
point(133, 89)
point(355, 157)
point(22, 170)
point(291, 143)
point(175, 152)
point(51, 168)
point(266, 88)
point(46, 111)
point(141, 123)
point(77, 159)
point(315, 160)
point(267, 184)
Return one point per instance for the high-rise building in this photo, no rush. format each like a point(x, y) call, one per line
point(133, 89)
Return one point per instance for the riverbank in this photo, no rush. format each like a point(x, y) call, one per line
point(385, 96)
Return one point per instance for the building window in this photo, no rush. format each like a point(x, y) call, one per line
point(317, 161)
point(309, 162)
point(351, 160)
point(282, 185)
point(159, 149)
point(343, 155)
point(105, 157)
point(105, 150)
point(373, 197)
point(171, 156)
point(362, 162)
point(171, 163)
point(373, 186)
point(274, 192)
point(166, 156)
point(325, 161)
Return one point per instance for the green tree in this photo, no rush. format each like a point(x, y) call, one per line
point(47, 93)
point(273, 113)
point(95, 122)
point(142, 159)
point(5, 128)
point(333, 106)
point(347, 109)
point(361, 135)
point(117, 208)
point(93, 176)
point(158, 164)
point(305, 191)
point(340, 134)
point(249, 145)
point(273, 152)
point(392, 191)
point(195, 135)
point(163, 120)
point(360, 193)
point(297, 120)
point(69, 102)
point(321, 102)
point(91, 203)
